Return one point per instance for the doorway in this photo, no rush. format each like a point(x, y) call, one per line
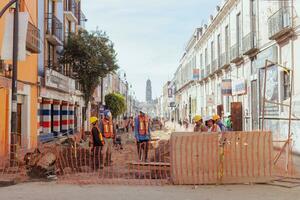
point(254, 105)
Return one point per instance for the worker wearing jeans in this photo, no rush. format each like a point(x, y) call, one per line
point(142, 135)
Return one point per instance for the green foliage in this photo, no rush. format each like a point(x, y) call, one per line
point(91, 56)
point(116, 104)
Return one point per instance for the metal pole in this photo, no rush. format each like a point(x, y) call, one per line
point(289, 148)
point(14, 88)
point(264, 96)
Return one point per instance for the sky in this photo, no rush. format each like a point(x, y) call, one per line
point(149, 35)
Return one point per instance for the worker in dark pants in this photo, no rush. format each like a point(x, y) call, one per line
point(97, 143)
point(142, 135)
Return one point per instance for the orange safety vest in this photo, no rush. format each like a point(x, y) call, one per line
point(214, 128)
point(108, 130)
point(143, 125)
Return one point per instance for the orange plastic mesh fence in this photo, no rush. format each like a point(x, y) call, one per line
point(188, 158)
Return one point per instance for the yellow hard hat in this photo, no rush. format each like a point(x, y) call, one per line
point(197, 118)
point(93, 119)
point(216, 117)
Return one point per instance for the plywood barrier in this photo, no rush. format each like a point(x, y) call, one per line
point(230, 157)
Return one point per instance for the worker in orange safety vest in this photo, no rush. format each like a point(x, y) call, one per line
point(107, 128)
point(142, 135)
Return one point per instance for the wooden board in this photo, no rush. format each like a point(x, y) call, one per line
point(149, 165)
point(211, 158)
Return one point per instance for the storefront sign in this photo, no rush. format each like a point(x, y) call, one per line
point(239, 87)
point(196, 74)
point(56, 80)
point(210, 100)
point(226, 87)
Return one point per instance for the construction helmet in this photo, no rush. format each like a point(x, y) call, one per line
point(208, 118)
point(93, 120)
point(107, 113)
point(197, 118)
point(216, 117)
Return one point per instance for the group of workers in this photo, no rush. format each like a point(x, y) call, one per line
point(212, 123)
point(104, 136)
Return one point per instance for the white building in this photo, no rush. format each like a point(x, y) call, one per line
point(232, 49)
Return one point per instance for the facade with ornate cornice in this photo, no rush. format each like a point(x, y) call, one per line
point(222, 68)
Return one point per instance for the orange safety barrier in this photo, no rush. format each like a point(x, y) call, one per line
point(230, 157)
point(81, 165)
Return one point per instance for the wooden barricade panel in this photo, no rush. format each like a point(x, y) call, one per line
point(194, 158)
point(231, 157)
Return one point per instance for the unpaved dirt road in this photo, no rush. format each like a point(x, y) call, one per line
point(54, 191)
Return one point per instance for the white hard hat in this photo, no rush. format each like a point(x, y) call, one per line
point(208, 118)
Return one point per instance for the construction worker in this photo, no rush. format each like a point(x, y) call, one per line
point(218, 121)
point(107, 128)
point(211, 125)
point(228, 122)
point(199, 126)
point(142, 135)
point(97, 143)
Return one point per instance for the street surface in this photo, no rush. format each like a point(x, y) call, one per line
point(53, 191)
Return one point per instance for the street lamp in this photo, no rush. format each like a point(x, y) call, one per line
point(14, 89)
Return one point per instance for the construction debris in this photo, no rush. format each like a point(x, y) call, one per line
point(40, 165)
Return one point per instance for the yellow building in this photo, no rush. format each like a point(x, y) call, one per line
point(27, 84)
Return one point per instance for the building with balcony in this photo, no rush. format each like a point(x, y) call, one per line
point(233, 47)
point(27, 82)
point(60, 99)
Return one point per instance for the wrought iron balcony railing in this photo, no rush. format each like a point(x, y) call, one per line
point(207, 70)
point(280, 23)
point(235, 53)
point(214, 65)
point(250, 43)
point(50, 64)
point(224, 59)
point(54, 26)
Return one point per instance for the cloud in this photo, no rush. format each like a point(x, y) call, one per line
point(149, 35)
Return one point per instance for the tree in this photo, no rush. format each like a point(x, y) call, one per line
point(115, 102)
point(91, 56)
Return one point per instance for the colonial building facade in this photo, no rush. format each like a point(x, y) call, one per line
point(222, 68)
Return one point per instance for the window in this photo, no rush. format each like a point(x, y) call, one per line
point(238, 31)
point(206, 57)
point(253, 15)
point(219, 48)
point(212, 51)
point(226, 40)
point(201, 61)
point(50, 58)
point(286, 85)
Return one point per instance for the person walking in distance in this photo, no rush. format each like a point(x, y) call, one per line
point(142, 135)
point(109, 132)
point(97, 142)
